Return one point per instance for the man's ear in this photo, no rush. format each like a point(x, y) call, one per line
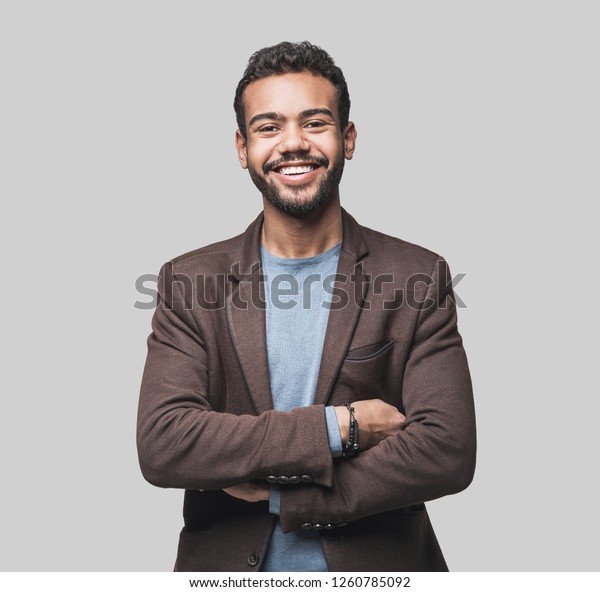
point(349, 140)
point(240, 146)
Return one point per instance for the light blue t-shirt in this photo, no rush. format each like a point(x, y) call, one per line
point(298, 294)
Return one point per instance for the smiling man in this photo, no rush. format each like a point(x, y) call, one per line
point(312, 402)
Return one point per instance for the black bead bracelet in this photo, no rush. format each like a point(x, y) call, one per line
point(351, 448)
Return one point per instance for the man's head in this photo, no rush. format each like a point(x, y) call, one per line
point(284, 58)
point(292, 107)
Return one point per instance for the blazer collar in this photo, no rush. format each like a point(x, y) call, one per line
point(245, 310)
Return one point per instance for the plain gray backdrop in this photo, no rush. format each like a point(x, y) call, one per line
point(478, 137)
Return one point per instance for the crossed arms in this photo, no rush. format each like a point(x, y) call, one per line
point(425, 453)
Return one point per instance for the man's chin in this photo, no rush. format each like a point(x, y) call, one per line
point(297, 207)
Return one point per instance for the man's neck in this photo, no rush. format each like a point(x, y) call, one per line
point(292, 237)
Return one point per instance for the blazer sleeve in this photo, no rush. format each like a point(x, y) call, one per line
point(182, 442)
point(435, 453)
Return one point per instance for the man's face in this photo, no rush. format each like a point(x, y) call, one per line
point(295, 148)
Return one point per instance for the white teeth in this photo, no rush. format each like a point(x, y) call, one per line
point(296, 170)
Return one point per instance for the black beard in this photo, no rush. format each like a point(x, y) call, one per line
point(289, 205)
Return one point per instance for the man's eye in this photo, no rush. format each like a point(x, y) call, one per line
point(314, 124)
point(268, 128)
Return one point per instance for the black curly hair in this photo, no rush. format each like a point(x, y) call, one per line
point(288, 57)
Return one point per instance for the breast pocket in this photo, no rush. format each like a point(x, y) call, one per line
point(364, 373)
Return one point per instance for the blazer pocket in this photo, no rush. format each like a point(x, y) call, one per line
point(366, 352)
point(364, 373)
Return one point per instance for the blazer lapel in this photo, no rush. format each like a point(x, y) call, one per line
point(352, 290)
point(245, 310)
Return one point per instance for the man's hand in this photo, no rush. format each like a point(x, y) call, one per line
point(249, 491)
point(376, 421)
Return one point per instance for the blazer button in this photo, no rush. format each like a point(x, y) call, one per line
point(283, 480)
point(306, 526)
point(272, 479)
point(295, 479)
point(253, 559)
point(306, 478)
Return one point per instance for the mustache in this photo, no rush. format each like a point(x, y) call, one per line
point(297, 156)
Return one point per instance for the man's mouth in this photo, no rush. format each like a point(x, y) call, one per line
point(296, 170)
point(301, 165)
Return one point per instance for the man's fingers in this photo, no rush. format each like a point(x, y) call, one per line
point(249, 492)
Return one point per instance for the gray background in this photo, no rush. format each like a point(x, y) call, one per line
point(478, 133)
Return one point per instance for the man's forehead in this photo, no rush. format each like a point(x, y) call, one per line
point(289, 94)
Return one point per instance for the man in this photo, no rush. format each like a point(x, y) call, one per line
point(305, 382)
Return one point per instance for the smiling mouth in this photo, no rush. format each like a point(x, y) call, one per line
point(296, 170)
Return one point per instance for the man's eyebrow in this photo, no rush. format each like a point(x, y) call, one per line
point(269, 115)
point(317, 111)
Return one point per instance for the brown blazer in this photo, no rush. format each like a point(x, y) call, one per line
point(206, 419)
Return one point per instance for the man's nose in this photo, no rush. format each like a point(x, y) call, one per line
point(293, 140)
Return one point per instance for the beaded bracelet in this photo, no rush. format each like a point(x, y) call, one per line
point(351, 448)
